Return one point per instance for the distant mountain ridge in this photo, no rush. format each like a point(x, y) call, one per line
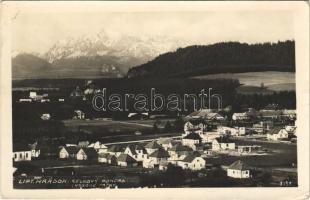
point(104, 54)
point(233, 57)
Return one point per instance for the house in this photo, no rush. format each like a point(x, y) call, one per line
point(166, 143)
point(234, 131)
point(152, 147)
point(214, 116)
point(87, 154)
point(83, 144)
point(68, 152)
point(126, 160)
point(192, 162)
point(154, 159)
point(138, 152)
point(238, 169)
point(277, 133)
point(103, 157)
point(263, 126)
point(21, 152)
point(45, 116)
point(115, 150)
point(197, 126)
point(240, 116)
point(222, 143)
point(290, 129)
point(178, 150)
point(249, 148)
point(191, 139)
point(78, 114)
point(112, 160)
point(35, 150)
point(103, 149)
point(290, 114)
point(95, 145)
point(270, 114)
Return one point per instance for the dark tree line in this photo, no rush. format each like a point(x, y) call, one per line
point(221, 58)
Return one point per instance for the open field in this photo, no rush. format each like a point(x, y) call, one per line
point(251, 81)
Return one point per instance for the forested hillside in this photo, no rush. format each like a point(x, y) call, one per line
point(220, 58)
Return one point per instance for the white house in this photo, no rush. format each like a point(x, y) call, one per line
point(196, 126)
point(68, 152)
point(249, 148)
point(138, 152)
point(191, 139)
point(178, 150)
point(87, 154)
point(291, 129)
point(234, 131)
point(240, 116)
point(238, 170)
point(21, 152)
point(277, 133)
point(192, 162)
point(45, 116)
point(78, 114)
point(222, 143)
point(155, 158)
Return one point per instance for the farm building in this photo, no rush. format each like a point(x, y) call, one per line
point(222, 143)
point(238, 170)
point(277, 133)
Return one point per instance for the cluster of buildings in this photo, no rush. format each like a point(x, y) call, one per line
point(41, 98)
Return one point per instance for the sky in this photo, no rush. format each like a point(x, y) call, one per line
point(38, 32)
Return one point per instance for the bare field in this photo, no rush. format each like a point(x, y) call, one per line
point(251, 81)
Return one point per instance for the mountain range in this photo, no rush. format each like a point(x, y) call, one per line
point(101, 55)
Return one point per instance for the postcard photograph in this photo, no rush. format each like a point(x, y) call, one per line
point(134, 98)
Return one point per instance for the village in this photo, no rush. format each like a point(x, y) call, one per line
point(209, 141)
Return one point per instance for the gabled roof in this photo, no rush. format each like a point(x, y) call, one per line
point(223, 140)
point(90, 151)
point(160, 153)
point(153, 145)
point(126, 158)
point(109, 157)
point(115, 148)
point(189, 158)
point(193, 136)
point(275, 130)
point(132, 148)
point(239, 165)
point(180, 147)
point(72, 149)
